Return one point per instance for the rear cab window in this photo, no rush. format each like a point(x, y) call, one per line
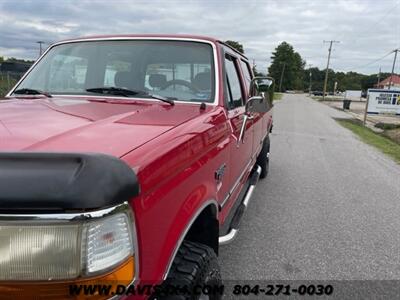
point(247, 75)
point(233, 86)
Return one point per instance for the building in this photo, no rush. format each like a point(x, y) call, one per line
point(395, 82)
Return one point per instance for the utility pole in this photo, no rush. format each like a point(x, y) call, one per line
point(327, 65)
point(280, 82)
point(309, 88)
point(394, 63)
point(40, 47)
point(379, 78)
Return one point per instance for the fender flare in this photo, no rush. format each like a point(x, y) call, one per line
point(186, 230)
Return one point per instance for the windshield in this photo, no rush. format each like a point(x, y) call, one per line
point(179, 70)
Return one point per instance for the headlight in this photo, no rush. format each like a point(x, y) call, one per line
point(65, 250)
point(39, 252)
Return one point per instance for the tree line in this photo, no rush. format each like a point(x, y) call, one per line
point(288, 65)
point(13, 59)
point(295, 75)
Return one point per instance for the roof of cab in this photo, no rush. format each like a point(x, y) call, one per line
point(122, 36)
point(172, 36)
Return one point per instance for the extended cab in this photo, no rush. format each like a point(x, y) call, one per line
point(128, 159)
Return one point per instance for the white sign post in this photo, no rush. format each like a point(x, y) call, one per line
point(383, 102)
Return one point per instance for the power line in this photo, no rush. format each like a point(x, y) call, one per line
point(371, 62)
point(367, 29)
point(390, 11)
point(359, 14)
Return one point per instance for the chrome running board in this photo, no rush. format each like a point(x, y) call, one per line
point(225, 239)
point(230, 236)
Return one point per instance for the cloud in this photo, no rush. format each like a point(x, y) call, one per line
point(367, 29)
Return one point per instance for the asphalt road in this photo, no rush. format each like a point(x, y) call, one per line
point(329, 209)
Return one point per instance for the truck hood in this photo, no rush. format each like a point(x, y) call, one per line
point(113, 127)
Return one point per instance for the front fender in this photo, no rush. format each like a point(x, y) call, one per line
point(176, 173)
point(163, 219)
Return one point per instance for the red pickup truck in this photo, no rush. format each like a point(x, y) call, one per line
point(128, 159)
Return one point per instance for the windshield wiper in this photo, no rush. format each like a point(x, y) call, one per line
point(127, 92)
point(169, 100)
point(26, 91)
point(113, 91)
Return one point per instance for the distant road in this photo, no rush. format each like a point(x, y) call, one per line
point(329, 209)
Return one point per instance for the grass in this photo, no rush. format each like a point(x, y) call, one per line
point(278, 96)
point(4, 86)
point(379, 141)
point(319, 98)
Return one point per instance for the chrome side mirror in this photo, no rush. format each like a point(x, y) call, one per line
point(260, 85)
point(257, 104)
point(262, 89)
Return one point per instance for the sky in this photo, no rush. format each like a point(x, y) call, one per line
point(367, 29)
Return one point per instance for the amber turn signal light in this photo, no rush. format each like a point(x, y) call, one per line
point(95, 288)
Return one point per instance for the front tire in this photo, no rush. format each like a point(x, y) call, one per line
point(195, 265)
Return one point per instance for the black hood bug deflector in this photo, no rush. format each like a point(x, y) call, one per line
point(47, 182)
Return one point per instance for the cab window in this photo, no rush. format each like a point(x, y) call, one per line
point(246, 75)
point(233, 87)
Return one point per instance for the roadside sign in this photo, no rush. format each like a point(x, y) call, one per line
point(383, 102)
point(352, 95)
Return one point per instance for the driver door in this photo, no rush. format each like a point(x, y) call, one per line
point(240, 150)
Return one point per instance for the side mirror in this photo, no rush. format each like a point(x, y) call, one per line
point(257, 104)
point(261, 85)
point(262, 91)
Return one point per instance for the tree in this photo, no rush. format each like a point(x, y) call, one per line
point(13, 59)
point(317, 79)
point(236, 45)
point(369, 81)
point(1, 59)
point(345, 81)
point(285, 57)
